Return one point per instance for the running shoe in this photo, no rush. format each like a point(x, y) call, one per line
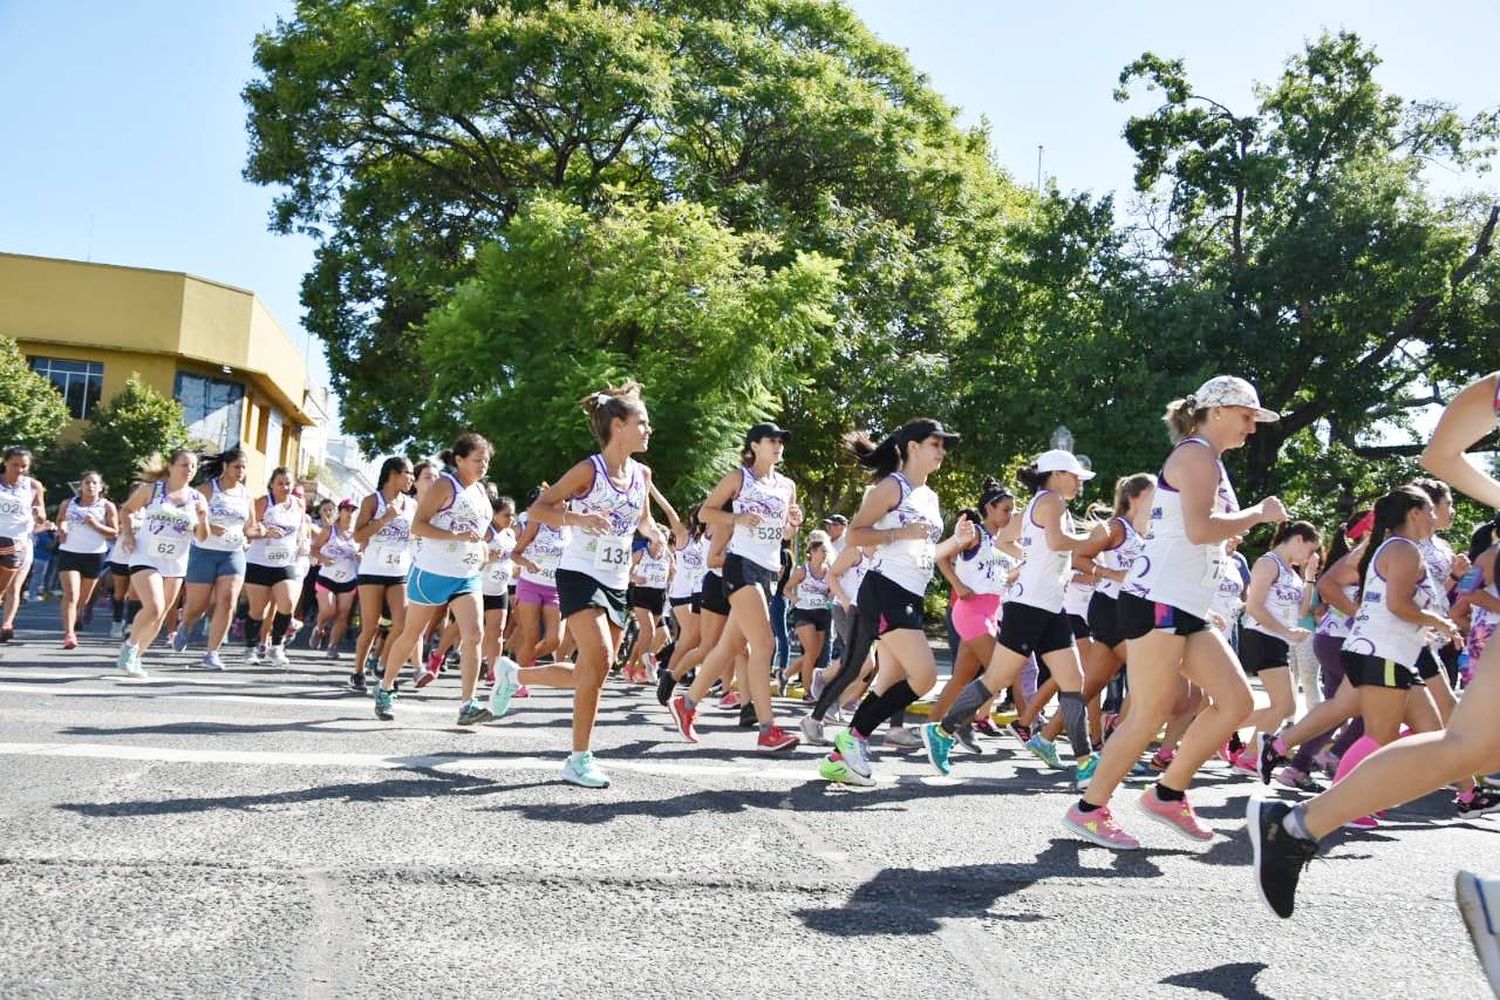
point(70, 641)
point(812, 731)
point(426, 676)
point(1327, 761)
point(1269, 759)
point(987, 727)
point(1045, 750)
point(902, 738)
point(1226, 753)
point(665, 685)
point(855, 752)
point(117, 630)
point(939, 745)
point(835, 768)
point(383, 700)
point(730, 702)
point(505, 688)
point(434, 664)
point(1244, 765)
point(1300, 780)
point(781, 682)
point(473, 712)
point(1363, 823)
point(1020, 730)
point(255, 655)
point(580, 769)
point(835, 715)
point(1098, 827)
point(1108, 721)
point(1083, 771)
point(522, 692)
point(211, 661)
point(1178, 815)
point(684, 716)
point(1141, 769)
point(818, 684)
point(748, 719)
point(180, 641)
point(129, 660)
point(648, 665)
point(278, 656)
point(1479, 905)
point(333, 654)
point(775, 740)
point(357, 684)
point(965, 736)
point(1484, 801)
point(1161, 760)
point(1277, 857)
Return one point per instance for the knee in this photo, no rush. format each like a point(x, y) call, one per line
point(1236, 703)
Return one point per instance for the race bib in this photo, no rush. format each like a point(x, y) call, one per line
point(232, 537)
point(280, 551)
point(1216, 560)
point(339, 572)
point(166, 549)
point(10, 507)
point(612, 553)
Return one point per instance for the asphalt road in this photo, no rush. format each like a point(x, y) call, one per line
point(259, 833)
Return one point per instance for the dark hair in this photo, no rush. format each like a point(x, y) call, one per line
point(389, 468)
point(213, 466)
point(1483, 538)
point(535, 494)
point(610, 404)
point(1127, 488)
point(1339, 547)
point(1032, 478)
point(886, 457)
point(1390, 513)
point(466, 445)
point(1437, 491)
point(17, 451)
point(416, 473)
point(280, 470)
point(503, 502)
point(990, 493)
point(1304, 530)
point(696, 528)
point(154, 468)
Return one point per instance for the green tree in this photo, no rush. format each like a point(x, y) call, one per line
point(566, 304)
point(32, 411)
point(133, 425)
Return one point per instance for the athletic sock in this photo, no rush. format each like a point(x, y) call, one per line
point(279, 624)
point(132, 608)
point(118, 611)
point(1166, 794)
point(1086, 807)
point(1076, 719)
point(969, 702)
point(1295, 823)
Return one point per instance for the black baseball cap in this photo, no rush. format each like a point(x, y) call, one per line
point(921, 430)
point(766, 430)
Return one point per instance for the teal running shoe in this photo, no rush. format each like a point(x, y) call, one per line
point(474, 712)
point(939, 746)
point(856, 753)
point(1045, 750)
point(506, 686)
point(1083, 773)
point(383, 700)
point(580, 769)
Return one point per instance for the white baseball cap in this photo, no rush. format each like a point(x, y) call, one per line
point(1229, 390)
point(1058, 460)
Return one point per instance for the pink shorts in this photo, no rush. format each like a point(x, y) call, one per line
point(976, 616)
point(535, 593)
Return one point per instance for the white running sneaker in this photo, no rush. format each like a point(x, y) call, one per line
point(1479, 905)
point(278, 657)
point(900, 736)
point(812, 731)
point(254, 655)
point(117, 630)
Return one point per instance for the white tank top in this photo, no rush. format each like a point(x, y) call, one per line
point(652, 572)
point(469, 509)
point(16, 502)
point(1044, 573)
point(344, 551)
point(1172, 570)
point(281, 551)
point(813, 591)
point(688, 579)
point(852, 577)
point(979, 567)
point(229, 511)
point(1120, 558)
point(1283, 598)
point(1077, 596)
point(1334, 622)
point(546, 551)
point(388, 552)
point(497, 572)
point(909, 563)
point(606, 557)
point(1437, 554)
point(771, 498)
point(82, 537)
point(1379, 633)
point(163, 539)
point(1482, 620)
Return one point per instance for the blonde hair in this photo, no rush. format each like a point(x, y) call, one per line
point(818, 537)
point(155, 467)
point(1183, 417)
point(610, 404)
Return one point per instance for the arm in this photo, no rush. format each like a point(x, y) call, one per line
point(439, 495)
point(790, 590)
point(110, 527)
point(1342, 574)
point(712, 511)
point(1048, 512)
point(1403, 569)
point(1197, 476)
point(137, 501)
point(655, 541)
point(878, 502)
point(1309, 591)
point(39, 505)
point(1468, 418)
point(1262, 575)
point(518, 554)
point(317, 546)
point(551, 507)
point(673, 522)
point(62, 521)
point(200, 509)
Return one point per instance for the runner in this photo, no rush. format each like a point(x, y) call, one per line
point(901, 516)
point(1163, 610)
point(23, 511)
point(271, 568)
point(172, 513)
point(690, 555)
point(450, 525)
point(498, 573)
point(88, 523)
point(607, 497)
point(216, 563)
point(538, 551)
point(383, 528)
point(336, 555)
point(647, 598)
point(809, 588)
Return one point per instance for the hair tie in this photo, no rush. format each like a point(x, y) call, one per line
point(601, 398)
point(1191, 402)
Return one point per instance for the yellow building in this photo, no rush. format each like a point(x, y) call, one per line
point(214, 348)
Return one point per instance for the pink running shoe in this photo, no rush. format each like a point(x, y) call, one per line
point(1226, 754)
point(70, 641)
point(426, 677)
point(1362, 823)
point(775, 740)
point(730, 701)
point(1178, 815)
point(1161, 761)
point(521, 692)
point(1098, 827)
point(434, 663)
point(1245, 765)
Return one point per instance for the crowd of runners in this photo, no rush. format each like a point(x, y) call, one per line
point(1123, 638)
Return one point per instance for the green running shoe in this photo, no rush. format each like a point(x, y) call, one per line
point(1045, 750)
point(383, 699)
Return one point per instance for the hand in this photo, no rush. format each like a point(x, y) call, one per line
point(528, 565)
point(1272, 510)
point(794, 516)
point(1310, 568)
point(964, 532)
point(961, 592)
point(748, 519)
point(216, 529)
point(1296, 635)
point(468, 536)
point(1447, 628)
point(1217, 621)
point(1460, 568)
point(594, 524)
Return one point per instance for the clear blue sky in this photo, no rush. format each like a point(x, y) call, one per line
point(123, 132)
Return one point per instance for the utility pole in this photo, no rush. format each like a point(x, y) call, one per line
point(1039, 170)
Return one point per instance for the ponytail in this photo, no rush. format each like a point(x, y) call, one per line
point(1390, 514)
point(213, 466)
point(881, 459)
point(1127, 488)
point(1033, 479)
point(155, 467)
point(1304, 530)
point(1184, 417)
point(612, 403)
point(990, 493)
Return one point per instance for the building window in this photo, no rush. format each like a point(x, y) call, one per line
point(273, 438)
point(80, 382)
point(211, 408)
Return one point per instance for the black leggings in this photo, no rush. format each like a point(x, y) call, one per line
point(861, 638)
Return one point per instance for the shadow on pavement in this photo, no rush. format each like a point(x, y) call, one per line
point(1235, 981)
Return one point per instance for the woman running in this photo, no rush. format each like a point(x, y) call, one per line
point(450, 525)
point(764, 507)
point(647, 598)
point(336, 555)
point(900, 515)
point(713, 611)
point(271, 568)
point(216, 563)
point(1163, 610)
point(498, 572)
point(810, 589)
point(538, 552)
point(383, 528)
point(23, 511)
point(1438, 666)
point(1035, 622)
point(172, 513)
point(606, 498)
point(88, 523)
point(690, 563)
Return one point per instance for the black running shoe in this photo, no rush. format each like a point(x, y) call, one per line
point(357, 684)
point(1277, 856)
point(665, 684)
point(965, 737)
point(747, 716)
point(1269, 760)
point(1485, 801)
